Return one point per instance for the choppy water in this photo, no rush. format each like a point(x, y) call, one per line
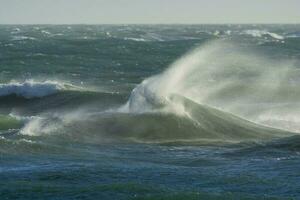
point(150, 112)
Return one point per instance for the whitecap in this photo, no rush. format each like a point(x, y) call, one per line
point(46, 32)
point(31, 89)
point(262, 33)
point(135, 39)
point(18, 38)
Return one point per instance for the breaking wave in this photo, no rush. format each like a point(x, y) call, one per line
point(31, 89)
point(216, 93)
point(226, 77)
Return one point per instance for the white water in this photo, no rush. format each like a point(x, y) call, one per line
point(227, 77)
point(261, 33)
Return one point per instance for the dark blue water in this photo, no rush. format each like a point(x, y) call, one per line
point(221, 122)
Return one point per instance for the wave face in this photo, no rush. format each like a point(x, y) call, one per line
point(198, 124)
point(8, 122)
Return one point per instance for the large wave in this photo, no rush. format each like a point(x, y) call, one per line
point(217, 92)
point(199, 123)
point(230, 78)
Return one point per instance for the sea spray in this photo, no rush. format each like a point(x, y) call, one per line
point(225, 76)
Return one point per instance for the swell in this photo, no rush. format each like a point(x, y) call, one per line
point(61, 100)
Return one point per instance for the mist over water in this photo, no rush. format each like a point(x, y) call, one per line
point(229, 77)
point(149, 111)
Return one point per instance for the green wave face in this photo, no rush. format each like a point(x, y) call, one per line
point(7, 122)
point(200, 123)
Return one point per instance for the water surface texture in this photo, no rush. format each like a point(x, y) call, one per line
point(149, 112)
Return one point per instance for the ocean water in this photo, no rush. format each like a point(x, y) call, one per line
point(149, 112)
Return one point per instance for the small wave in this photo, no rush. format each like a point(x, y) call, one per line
point(15, 31)
point(261, 33)
point(19, 38)
point(136, 39)
point(45, 32)
point(58, 34)
point(154, 37)
point(31, 89)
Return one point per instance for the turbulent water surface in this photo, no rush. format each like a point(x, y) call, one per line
point(150, 112)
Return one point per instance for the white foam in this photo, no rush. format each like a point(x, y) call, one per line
point(46, 32)
point(154, 92)
point(261, 33)
point(37, 126)
point(136, 39)
point(19, 38)
point(15, 31)
point(51, 123)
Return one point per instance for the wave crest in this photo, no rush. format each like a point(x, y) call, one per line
point(224, 76)
point(261, 33)
point(31, 89)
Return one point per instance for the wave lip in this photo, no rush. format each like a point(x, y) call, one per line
point(31, 89)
